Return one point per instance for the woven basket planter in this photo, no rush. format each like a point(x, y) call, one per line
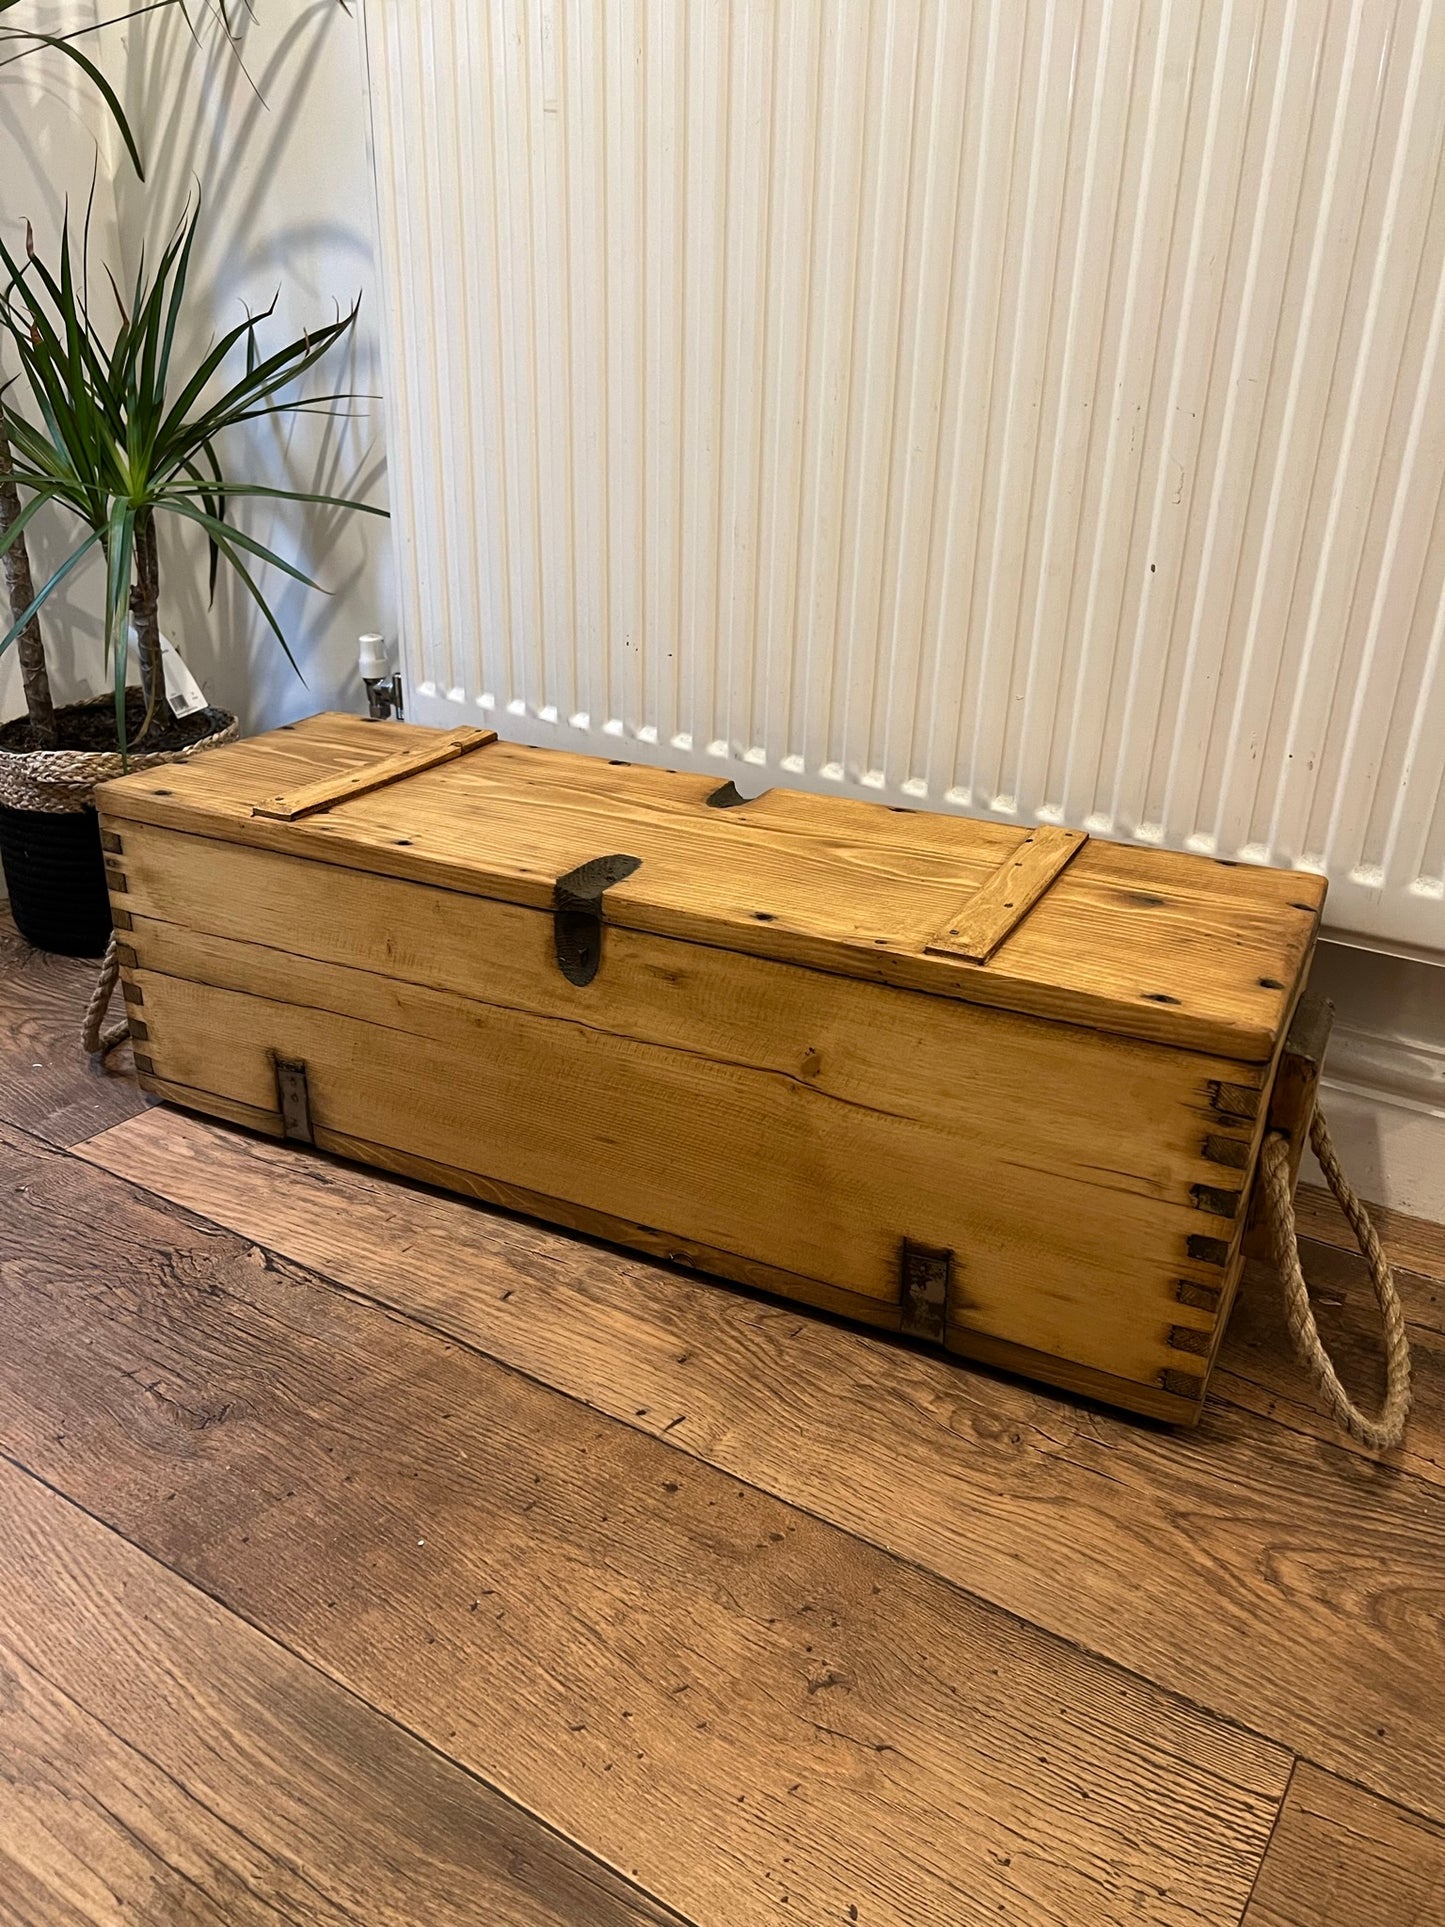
point(50, 839)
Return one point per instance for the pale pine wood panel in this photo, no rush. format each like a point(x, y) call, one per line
point(1341, 1858)
point(282, 758)
point(729, 1697)
point(686, 1252)
point(1176, 1407)
point(1110, 945)
point(1032, 1112)
point(1120, 927)
point(1209, 1562)
point(763, 1167)
point(163, 1761)
point(1136, 941)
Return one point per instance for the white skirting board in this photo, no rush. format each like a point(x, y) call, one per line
point(1384, 1082)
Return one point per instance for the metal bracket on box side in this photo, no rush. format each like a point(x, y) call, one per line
point(924, 1280)
point(577, 913)
point(293, 1100)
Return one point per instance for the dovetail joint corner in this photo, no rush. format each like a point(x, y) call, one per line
point(1234, 1100)
point(1233, 1151)
point(1187, 1338)
point(1207, 1251)
point(1182, 1384)
point(1199, 1297)
point(1218, 1202)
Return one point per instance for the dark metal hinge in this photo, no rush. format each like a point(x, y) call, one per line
point(293, 1100)
point(577, 913)
point(925, 1279)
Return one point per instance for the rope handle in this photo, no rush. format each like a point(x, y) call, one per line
point(1386, 1430)
point(96, 1041)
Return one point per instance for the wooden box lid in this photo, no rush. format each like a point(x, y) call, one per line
point(1146, 943)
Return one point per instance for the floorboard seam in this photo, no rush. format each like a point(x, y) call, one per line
point(341, 1686)
point(1220, 1398)
point(1269, 1842)
point(1385, 1799)
point(664, 1438)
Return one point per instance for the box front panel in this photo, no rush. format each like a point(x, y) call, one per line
point(1087, 1185)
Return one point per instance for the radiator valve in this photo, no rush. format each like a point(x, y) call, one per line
point(381, 681)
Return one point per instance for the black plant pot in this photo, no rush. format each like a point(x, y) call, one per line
point(55, 874)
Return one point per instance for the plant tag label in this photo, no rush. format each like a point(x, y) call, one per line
point(183, 692)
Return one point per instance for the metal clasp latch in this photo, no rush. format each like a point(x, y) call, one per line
point(577, 913)
point(293, 1100)
point(925, 1275)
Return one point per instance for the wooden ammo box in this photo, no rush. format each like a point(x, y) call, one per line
point(1000, 1089)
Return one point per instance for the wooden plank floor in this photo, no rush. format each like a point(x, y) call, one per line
point(368, 1556)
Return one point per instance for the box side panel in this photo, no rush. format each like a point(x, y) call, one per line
point(776, 1117)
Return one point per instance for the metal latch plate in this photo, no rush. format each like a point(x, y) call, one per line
point(293, 1100)
point(577, 913)
point(926, 1275)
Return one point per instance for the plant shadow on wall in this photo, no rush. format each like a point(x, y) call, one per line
point(118, 436)
point(23, 37)
point(258, 107)
point(130, 414)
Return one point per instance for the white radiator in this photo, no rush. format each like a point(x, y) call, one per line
point(1028, 409)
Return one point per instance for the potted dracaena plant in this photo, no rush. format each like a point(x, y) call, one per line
point(120, 433)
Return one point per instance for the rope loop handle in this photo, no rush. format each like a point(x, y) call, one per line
point(1388, 1428)
point(96, 1041)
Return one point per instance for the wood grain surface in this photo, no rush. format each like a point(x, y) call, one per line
point(1002, 901)
point(47, 1085)
point(1259, 1371)
point(1412, 1242)
point(1144, 942)
point(733, 1703)
point(1340, 1857)
point(164, 1762)
point(322, 792)
point(1230, 1565)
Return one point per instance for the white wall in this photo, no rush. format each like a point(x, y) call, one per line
point(287, 203)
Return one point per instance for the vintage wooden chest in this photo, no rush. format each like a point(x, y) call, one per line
point(1002, 1090)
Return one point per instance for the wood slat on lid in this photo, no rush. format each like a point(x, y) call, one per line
point(1143, 942)
point(996, 909)
point(324, 791)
